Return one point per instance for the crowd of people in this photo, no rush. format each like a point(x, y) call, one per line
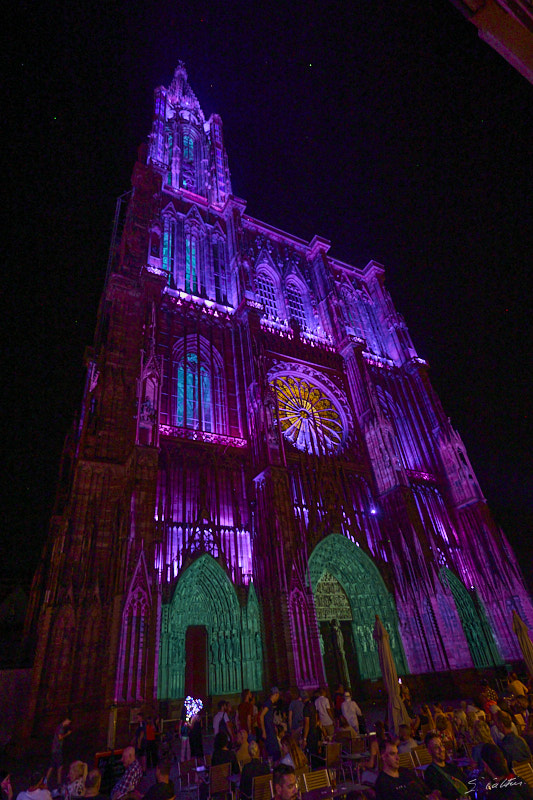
point(472, 746)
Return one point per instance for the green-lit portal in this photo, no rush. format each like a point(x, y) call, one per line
point(339, 558)
point(476, 627)
point(204, 596)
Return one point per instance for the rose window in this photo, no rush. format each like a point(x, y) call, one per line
point(309, 419)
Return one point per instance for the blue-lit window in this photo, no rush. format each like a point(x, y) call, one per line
point(191, 263)
point(188, 148)
point(198, 392)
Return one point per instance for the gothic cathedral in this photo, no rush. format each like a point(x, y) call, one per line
point(260, 466)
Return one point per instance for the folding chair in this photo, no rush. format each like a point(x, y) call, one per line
point(300, 772)
point(316, 780)
point(262, 787)
point(406, 760)
point(524, 770)
point(219, 780)
point(188, 777)
point(421, 756)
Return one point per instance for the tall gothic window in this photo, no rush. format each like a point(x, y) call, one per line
point(188, 148)
point(191, 263)
point(169, 243)
point(296, 305)
point(219, 272)
point(198, 389)
point(267, 295)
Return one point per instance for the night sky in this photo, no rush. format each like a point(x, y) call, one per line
point(387, 128)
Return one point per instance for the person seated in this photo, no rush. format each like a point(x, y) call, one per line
point(242, 752)
point(222, 754)
point(75, 786)
point(395, 782)
point(449, 779)
point(284, 781)
point(163, 789)
point(131, 778)
point(93, 781)
point(407, 743)
point(444, 729)
point(37, 789)
point(291, 753)
point(514, 747)
point(516, 686)
point(504, 785)
point(251, 770)
point(481, 736)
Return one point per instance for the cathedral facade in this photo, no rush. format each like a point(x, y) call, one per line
point(260, 466)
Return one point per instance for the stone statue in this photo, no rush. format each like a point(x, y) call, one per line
point(340, 655)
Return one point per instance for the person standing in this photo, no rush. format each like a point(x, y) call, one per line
point(296, 715)
point(151, 743)
point(268, 729)
point(311, 731)
point(351, 711)
point(60, 734)
point(325, 717)
point(139, 741)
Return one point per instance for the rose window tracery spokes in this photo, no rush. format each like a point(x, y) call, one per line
point(308, 418)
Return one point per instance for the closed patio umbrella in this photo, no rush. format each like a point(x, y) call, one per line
point(526, 645)
point(396, 711)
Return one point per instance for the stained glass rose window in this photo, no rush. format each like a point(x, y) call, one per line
point(309, 419)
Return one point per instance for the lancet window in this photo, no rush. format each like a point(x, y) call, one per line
point(219, 272)
point(198, 392)
point(191, 263)
point(266, 290)
point(295, 304)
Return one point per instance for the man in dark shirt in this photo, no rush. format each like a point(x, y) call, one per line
point(395, 783)
point(253, 769)
point(164, 788)
point(311, 731)
point(514, 747)
point(447, 778)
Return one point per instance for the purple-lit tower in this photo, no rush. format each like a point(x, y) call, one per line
point(261, 465)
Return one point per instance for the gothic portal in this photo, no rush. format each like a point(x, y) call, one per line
point(260, 467)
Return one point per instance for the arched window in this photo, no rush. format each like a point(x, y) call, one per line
point(219, 271)
point(198, 397)
point(295, 304)
point(191, 263)
point(188, 148)
point(267, 296)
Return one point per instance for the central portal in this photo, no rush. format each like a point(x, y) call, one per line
point(334, 616)
point(196, 682)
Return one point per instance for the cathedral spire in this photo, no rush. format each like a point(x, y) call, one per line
point(187, 149)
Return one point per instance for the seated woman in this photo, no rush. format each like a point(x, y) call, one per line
point(251, 770)
point(222, 754)
point(291, 752)
point(75, 786)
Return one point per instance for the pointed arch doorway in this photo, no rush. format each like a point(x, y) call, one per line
point(345, 581)
point(335, 619)
point(209, 642)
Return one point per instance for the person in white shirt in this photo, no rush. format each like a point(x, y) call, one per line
point(37, 790)
point(351, 711)
point(221, 720)
point(325, 717)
